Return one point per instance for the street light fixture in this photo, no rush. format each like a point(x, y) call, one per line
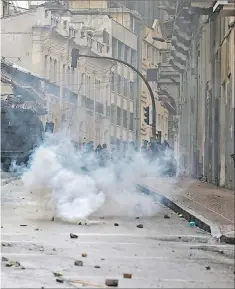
point(75, 55)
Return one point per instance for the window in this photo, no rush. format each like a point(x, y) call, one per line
point(50, 69)
point(120, 44)
point(133, 57)
point(131, 90)
point(118, 115)
point(113, 111)
point(65, 24)
point(55, 70)
point(149, 52)
point(112, 81)
point(125, 53)
point(125, 86)
point(83, 91)
point(131, 121)
point(64, 74)
point(89, 86)
point(46, 66)
point(162, 122)
point(124, 118)
point(114, 47)
point(144, 50)
point(68, 77)
point(97, 90)
point(119, 83)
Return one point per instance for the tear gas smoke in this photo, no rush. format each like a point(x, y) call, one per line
point(56, 174)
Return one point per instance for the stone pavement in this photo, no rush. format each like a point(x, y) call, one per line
point(213, 204)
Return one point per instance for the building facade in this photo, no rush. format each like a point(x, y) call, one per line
point(203, 54)
point(99, 105)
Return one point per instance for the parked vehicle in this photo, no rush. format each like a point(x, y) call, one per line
point(21, 132)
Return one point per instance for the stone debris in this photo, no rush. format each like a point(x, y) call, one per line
point(59, 280)
point(84, 255)
point(140, 226)
point(111, 282)
point(97, 267)
point(137, 218)
point(78, 263)
point(116, 224)
point(208, 267)
point(36, 229)
point(73, 236)
point(53, 219)
point(127, 275)
point(166, 216)
point(54, 249)
point(23, 225)
point(58, 274)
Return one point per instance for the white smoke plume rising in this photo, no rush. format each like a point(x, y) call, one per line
point(72, 195)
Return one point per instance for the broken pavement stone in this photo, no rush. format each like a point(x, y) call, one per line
point(78, 263)
point(140, 226)
point(4, 259)
point(73, 236)
point(111, 282)
point(59, 280)
point(116, 224)
point(58, 274)
point(166, 216)
point(84, 255)
point(127, 275)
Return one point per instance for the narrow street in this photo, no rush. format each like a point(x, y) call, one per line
point(164, 253)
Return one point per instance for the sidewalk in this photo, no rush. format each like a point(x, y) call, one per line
point(212, 208)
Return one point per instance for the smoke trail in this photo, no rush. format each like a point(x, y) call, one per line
point(56, 175)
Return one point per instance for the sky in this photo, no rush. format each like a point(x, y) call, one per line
point(24, 4)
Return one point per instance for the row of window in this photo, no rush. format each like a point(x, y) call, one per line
point(123, 85)
point(123, 117)
point(123, 52)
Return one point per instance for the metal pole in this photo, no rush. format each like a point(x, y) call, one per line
point(145, 81)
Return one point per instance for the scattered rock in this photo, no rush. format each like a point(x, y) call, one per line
point(190, 255)
point(166, 216)
point(58, 274)
point(85, 224)
point(173, 251)
point(140, 226)
point(208, 267)
point(102, 259)
point(111, 282)
point(127, 275)
point(80, 223)
point(36, 229)
point(116, 224)
point(78, 263)
point(73, 236)
point(4, 259)
point(59, 280)
point(97, 267)
point(17, 264)
point(23, 225)
point(1, 226)
point(41, 249)
point(54, 249)
point(84, 255)
point(53, 219)
point(22, 268)
point(137, 218)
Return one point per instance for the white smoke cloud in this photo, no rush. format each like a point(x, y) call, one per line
point(56, 176)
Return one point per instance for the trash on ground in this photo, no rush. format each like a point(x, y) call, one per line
point(84, 255)
point(127, 275)
point(10, 264)
point(140, 226)
point(166, 216)
point(111, 282)
point(73, 236)
point(58, 274)
point(78, 263)
point(180, 215)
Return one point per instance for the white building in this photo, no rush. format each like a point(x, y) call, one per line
point(92, 101)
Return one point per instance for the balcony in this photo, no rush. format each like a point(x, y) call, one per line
point(202, 4)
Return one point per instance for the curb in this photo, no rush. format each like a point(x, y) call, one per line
point(188, 214)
